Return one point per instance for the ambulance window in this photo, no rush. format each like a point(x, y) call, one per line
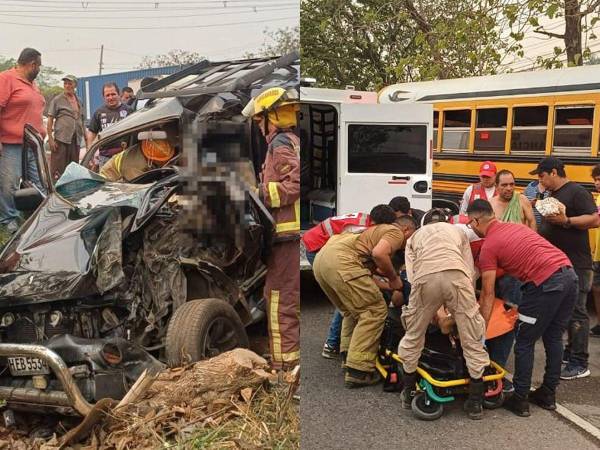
point(398, 149)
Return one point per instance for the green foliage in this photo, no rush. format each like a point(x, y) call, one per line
point(278, 42)
point(172, 58)
point(370, 43)
point(47, 80)
point(578, 33)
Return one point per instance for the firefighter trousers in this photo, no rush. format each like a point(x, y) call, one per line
point(282, 293)
point(453, 289)
point(353, 291)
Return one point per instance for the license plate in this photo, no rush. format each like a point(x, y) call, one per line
point(26, 365)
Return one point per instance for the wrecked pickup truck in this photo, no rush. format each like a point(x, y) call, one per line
point(105, 279)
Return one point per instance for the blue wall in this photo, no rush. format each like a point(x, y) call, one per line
point(90, 88)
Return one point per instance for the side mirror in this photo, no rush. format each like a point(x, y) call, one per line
point(28, 199)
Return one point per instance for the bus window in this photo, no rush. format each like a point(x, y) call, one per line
point(387, 149)
point(457, 127)
point(490, 133)
point(436, 125)
point(529, 130)
point(573, 130)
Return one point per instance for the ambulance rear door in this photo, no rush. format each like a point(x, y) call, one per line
point(385, 150)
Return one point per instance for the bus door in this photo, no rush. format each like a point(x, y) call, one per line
point(385, 151)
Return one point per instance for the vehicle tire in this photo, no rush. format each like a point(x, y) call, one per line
point(202, 329)
point(493, 402)
point(424, 411)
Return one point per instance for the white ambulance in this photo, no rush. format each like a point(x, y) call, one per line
point(357, 153)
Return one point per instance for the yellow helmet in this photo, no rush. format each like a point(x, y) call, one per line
point(278, 104)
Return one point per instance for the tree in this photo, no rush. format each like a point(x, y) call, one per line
point(369, 43)
point(47, 79)
point(278, 42)
point(579, 17)
point(172, 58)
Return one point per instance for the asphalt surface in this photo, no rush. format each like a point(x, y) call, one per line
point(333, 417)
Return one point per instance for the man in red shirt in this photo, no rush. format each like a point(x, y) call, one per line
point(21, 103)
point(549, 293)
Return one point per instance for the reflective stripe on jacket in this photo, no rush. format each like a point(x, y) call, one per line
point(280, 181)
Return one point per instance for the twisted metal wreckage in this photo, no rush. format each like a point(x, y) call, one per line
point(93, 283)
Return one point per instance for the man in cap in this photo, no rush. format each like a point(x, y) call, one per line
point(485, 189)
point(21, 103)
point(274, 112)
point(569, 232)
point(65, 127)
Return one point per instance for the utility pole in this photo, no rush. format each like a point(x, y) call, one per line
point(101, 60)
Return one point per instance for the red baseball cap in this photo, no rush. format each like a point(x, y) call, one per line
point(487, 169)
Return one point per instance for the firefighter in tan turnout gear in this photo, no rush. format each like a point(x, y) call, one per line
point(344, 268)
point(274, 111)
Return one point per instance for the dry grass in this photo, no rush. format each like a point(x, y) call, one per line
point(228, 402)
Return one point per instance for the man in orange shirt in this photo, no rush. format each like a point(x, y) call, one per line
point(21, 103)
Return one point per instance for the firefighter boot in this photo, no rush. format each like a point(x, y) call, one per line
point(474, 403)
point(409, 380)
point(544, 397)
point(358, 378)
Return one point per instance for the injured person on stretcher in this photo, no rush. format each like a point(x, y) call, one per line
point(455, 311)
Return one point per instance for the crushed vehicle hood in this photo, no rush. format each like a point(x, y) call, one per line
point(70, 237)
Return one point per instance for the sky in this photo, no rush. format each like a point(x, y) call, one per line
point(69, 33)
point(535, 44)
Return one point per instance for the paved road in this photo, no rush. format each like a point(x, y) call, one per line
point(333, 417)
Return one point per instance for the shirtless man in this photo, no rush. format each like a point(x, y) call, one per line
point(510, 206)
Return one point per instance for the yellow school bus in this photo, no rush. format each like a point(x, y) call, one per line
point(512, 119)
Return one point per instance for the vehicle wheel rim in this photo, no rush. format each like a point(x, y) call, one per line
point(220, 337)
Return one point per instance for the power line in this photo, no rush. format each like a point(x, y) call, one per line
point(160, 17)
point(164, 27)
point(121, 2)
point(85, 7)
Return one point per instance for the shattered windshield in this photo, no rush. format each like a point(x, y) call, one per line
point(87, 190)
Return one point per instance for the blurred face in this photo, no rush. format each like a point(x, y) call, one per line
point(506, 186)
point(69, 87)
point(597, 183)
point(259, 120)
point(487, 182)
point(125, 96)
point(475, 224)
point(548, 180)
point(33, 69)
point(111, 97)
